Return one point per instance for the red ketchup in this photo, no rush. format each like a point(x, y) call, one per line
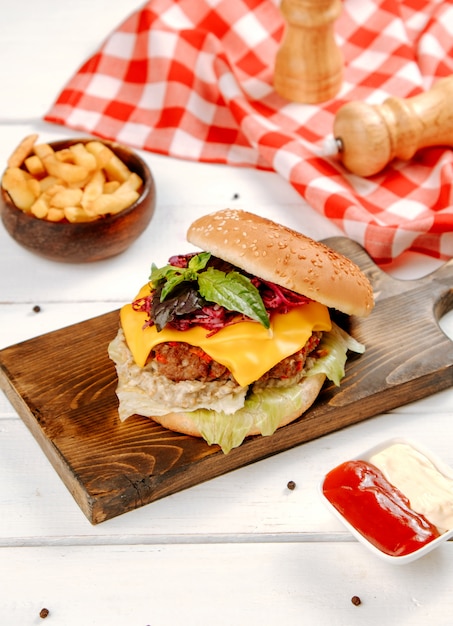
point(379, 511)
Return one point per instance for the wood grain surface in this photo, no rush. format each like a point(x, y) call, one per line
point(62, 384)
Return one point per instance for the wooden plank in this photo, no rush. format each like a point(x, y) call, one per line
point(289, 583)
point(62, 384)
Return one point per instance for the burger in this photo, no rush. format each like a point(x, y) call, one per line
point(237, 339)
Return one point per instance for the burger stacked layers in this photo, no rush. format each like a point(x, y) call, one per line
point(237, 340)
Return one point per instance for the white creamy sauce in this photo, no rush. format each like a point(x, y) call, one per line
point(430, 493)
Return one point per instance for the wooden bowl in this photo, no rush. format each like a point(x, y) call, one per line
point(85, 241)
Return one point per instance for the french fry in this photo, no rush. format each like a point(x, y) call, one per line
point(13, 176)
point(42, 150)
point(116, 169)
point(23, 150)
point(93, 189)
point(64, 155)
point(55, 215)
point(69, 172)
point(22, 197)
point(76, 214)
point(15, 182)
point(48, 182)
point(34, 166)
point(110, 186)
point(81, 183)
point(53, 189)
point(133, 182)
point(34, 186)
point(101, 152)
point(82, 157)
point(66, 197)
point(40, 207)
point(112, 203)
point(107, 159)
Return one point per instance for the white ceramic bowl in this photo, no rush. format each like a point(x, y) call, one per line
point(365, 456)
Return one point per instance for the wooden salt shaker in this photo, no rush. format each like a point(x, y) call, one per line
point(309, 64)
point(371, 136)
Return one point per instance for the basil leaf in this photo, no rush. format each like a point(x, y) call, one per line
point(199, 261)
point(172, 281)
point(159, 274)
point(233, 291)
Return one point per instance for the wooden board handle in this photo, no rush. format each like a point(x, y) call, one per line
point(309, 64)
point(385, 286)
point(371, 136)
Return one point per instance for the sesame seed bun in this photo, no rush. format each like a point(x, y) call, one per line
point(290, 259)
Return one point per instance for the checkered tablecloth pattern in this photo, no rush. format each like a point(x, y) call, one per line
point(193, 79)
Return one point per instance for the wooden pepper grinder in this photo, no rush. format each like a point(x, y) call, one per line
point(309, 64)
point(369, 136)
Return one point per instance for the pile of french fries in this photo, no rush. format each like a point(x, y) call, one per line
point(81, 183)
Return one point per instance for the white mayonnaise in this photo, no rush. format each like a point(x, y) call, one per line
point(430, 493)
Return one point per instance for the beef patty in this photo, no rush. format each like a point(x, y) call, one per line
point(180, 361)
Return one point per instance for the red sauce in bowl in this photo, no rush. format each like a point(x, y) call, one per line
point(376, 509)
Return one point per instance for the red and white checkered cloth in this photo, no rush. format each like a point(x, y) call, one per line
point(193, 79)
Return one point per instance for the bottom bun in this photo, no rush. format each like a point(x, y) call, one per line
point(183, 423)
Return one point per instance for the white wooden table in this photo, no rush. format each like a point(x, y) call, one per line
point(241, 549)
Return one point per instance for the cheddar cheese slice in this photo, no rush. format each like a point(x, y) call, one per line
point(247, 349)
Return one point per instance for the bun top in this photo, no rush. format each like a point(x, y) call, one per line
point(283, 256)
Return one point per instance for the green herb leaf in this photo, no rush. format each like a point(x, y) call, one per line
point(233, 291)
point(174, 276)
point(159, 274)
point(173, 280)
point(199, 261)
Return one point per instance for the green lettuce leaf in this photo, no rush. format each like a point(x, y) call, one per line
point(262, 410)
point(335, 344)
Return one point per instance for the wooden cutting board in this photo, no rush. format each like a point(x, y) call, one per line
point(62, 384)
